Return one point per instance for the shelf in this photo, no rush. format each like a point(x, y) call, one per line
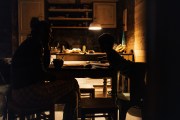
point(62, 1)
point(69, 10)
point(68, 27)
point(71, 19)
point(74, 16)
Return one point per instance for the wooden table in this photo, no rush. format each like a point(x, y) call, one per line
point(81, 72)
point(93, 72)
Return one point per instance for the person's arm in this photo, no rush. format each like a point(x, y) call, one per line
point(46, 58)
point(117, 62)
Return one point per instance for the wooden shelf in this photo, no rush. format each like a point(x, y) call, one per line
point(69, 10)
point(68, 27)
point(62, 1)
point(59, 18)
point(70, 16)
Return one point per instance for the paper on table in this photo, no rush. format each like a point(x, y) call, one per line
point(74, 64)
point(100, 64)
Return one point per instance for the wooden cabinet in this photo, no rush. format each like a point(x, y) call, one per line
point(74, 16)
point(105, 14)
point(26, 10)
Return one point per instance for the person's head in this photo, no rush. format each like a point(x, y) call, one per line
point(40, 30)
point(34, 23)
point(106, 41)
point(44, 32)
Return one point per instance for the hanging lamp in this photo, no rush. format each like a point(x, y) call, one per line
point(95, 26)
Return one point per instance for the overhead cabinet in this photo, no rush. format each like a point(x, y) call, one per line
point(105, 14)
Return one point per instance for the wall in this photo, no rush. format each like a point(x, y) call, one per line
point(5, 29)
point(139, 34)
point(135, 34)
point(129, 34)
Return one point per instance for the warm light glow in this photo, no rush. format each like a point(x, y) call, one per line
point(95, 26)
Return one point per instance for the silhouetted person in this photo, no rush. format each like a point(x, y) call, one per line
point(117, 62)
point(29, 73)
point(133, 70)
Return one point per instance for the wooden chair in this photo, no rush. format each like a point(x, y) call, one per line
point(91, 108)
point(87, 90)
point(134, 97)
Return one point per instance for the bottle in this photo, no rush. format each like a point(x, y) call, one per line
point(84, 48)
point(63, 48)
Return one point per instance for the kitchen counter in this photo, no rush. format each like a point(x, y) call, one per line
point(87, 56)
point(80, 56)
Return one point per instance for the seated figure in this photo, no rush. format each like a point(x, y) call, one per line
point(29, 71)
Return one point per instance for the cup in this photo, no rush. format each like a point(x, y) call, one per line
point(58, 63)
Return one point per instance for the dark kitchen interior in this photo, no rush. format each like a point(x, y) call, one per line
point(152, 34)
